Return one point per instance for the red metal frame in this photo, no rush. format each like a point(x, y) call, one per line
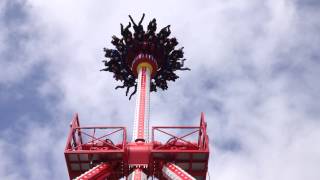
point(82, 156)
point(172, 172)
point(99, 172)
point(141, 118)
point(191, 156)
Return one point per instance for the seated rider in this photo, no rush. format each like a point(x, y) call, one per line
point(138, 29)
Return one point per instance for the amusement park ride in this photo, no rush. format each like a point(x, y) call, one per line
point(144, 61)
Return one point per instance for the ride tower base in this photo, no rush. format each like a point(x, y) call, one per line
point(89, 146)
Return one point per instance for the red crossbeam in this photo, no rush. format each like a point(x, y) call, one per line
point(100, 172)
point(174, 172)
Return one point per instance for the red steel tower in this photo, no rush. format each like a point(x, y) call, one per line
point(172, 152)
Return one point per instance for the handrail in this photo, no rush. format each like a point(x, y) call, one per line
point(78, 133)
point(176, 137)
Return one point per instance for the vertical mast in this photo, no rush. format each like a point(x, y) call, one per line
point(142, 109)
point(138, 174)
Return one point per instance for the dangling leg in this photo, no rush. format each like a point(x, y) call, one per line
point(120, 86)
point(184, 69)
point(127, 90)
point(182, 62)
point(135, 90)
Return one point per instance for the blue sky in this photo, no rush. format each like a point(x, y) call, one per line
point(255, 70)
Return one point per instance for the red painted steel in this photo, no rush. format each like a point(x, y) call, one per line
point(99, 172)
point(139, 154)
point(174, 172)
point(142, 107)
point(141, 120)
point(191, 155)
point(84, 149)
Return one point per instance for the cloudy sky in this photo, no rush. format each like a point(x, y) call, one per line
point(255, 69)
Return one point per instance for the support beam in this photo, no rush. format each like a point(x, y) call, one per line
point(99, 172)
point(142, 110)
point(138, 174)
point(174, 172)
